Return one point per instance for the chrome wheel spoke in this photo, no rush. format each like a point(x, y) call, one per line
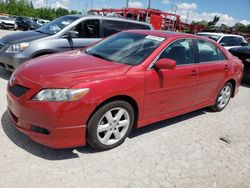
point(220, 99)
point(224, 96)
point(102, 128)
point(117, 135)
point(113, 126)
point(119, 115)
point(109, 117)
point(123, 123)
point(107, 136)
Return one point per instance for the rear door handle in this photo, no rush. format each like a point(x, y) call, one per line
point(226, 68)
point(194, 73)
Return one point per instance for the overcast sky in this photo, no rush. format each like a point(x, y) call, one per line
point(229, 11)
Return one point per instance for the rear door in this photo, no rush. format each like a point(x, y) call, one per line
point(168, 91)
point(213, 68)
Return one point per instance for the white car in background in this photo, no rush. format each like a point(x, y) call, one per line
point(7, 23)
point(227, 40)
point(42, 22)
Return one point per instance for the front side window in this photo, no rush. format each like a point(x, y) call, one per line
point(126, 48)
point(88, 29)
point(209, 52)
point(181, 51)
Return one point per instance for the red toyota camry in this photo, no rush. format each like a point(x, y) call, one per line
point(130, 79)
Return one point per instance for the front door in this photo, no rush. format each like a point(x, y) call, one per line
point(168, 91)
point(88, 33)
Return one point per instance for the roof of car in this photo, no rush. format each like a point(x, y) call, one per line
point(108, 18)
point(219, 34)
point(166, 34)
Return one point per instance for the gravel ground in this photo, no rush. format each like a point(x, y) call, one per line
point(199, 149)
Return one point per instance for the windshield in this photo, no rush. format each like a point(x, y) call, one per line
point(214, 37)
point(4, 18)
point(57, 25)
point(126, 48)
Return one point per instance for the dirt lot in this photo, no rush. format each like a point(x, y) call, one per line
point(185, 151)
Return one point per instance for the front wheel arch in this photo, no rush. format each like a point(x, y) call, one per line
point(126, 98)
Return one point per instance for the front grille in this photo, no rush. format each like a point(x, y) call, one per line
point(18, 90)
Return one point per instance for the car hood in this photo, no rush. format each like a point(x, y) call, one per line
point(8, 21)
point(25, 36)
point(68, 69)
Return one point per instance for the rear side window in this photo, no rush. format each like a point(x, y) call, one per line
point(181, 51)
point(209, 52)
point(231, 41)
point(110, 27)
point(137, 26)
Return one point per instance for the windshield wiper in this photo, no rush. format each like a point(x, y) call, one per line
point(97, 55)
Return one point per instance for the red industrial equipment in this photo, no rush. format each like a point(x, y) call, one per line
point(159, 20)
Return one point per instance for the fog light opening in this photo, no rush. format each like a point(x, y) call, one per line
point(39, 130)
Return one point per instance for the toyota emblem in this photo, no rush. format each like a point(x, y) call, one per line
point(12, 80)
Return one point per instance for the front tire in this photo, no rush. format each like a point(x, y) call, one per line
point(109, 126)
point(223, 97)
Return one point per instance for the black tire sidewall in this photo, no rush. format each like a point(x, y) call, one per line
point(92, 124)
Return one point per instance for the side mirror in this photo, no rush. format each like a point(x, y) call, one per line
point(243, 43)
point(222, 44)
point(165, 63)
point(72, 34)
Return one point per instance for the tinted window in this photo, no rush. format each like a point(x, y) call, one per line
point(88, 29)
point(231, 41)
point(181, 51)
point(234, 41)
point(221, 55)
point(110, 27)
point(208, 52)
point(137, 26)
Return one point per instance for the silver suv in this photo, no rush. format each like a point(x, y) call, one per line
point(63, 34)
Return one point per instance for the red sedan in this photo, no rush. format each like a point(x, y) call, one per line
point(130, 79)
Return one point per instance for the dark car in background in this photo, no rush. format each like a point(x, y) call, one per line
point(243, 53)
point(63, 34)
point(25, 23)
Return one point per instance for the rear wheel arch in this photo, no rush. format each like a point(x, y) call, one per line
point(233, 82)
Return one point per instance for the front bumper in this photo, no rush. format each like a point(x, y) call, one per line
point(10, 61)
point(64, 131)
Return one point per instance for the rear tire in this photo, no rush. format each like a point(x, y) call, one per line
point(109, 126)
point(223, 98)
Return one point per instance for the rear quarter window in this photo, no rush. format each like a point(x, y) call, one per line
point(208, 52)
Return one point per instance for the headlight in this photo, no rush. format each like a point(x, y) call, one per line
point(16, 48)
point(60, 94)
